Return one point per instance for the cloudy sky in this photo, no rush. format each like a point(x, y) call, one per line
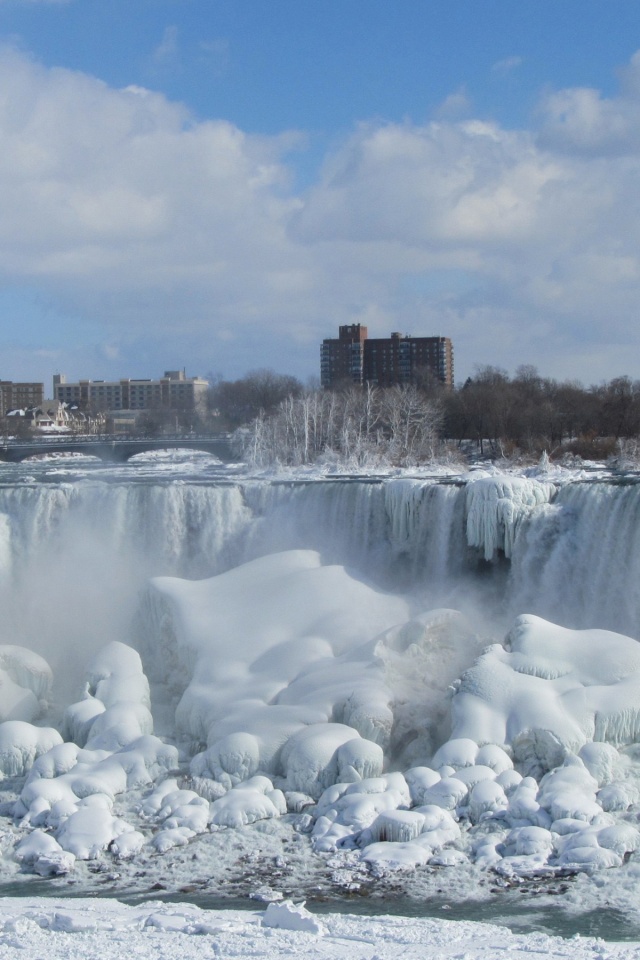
point(218, 184)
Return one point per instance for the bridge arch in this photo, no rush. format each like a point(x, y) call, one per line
point(114, 449)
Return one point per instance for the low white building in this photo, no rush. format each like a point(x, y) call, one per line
point(173, 391)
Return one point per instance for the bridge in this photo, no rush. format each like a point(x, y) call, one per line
point(113, 449)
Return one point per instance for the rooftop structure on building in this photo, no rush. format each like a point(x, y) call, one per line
point(385, 361)
point(173, 391)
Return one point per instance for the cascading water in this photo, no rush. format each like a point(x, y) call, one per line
point(83, 549)
point(577, 560)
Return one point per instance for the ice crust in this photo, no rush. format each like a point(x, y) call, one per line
point(32, 928)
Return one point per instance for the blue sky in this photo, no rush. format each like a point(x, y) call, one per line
point(218, 184)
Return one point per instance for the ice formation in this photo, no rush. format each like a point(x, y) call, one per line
point(305, 700)
point(497, 507)
point(70, 788)
point(550, 690)
point(386, 733)
point(25, 684)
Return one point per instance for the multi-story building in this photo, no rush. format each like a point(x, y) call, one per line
point(343, 359)
point(384, 361)
point(19, 396)
point(174, 391)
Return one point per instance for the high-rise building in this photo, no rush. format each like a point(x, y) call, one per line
point(384, 361)
point(343, 359)
point(174, 391)
point(19, 396)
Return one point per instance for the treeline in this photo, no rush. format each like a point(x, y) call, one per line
point(531, 414)
point(276, 419)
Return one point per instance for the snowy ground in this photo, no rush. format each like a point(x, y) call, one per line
point(93, 930)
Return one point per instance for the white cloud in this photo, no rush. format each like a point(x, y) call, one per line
point(166, 53)
point(581, 120)
point(165, 237)
point(504, 67)
point(455, 105)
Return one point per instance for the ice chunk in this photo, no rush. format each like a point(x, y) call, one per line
point(603, 762)
point(397, 826)
point(494, 757)
point(115, 674)
point(311, 757)
point(456, 753)
point(249, 801)
point(359, 759)
point(20, 745)
point(447, 793)
point(230, 760)
point(487, 797)
point(570, 791)
point(78, 719)
point(289, 916)
point(470, 776)
point(420, 779)
point(89, 831)
point(524, 806)
point(527, 841)
point(509, 780)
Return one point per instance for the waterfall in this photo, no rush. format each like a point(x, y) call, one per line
point(577, 560)
point(74, 555)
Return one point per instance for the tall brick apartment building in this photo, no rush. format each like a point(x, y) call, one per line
point(14, 396)
point(384, 361)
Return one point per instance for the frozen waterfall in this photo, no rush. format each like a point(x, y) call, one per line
point(569, 553)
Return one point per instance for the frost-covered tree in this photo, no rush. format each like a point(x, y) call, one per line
point(358, 426)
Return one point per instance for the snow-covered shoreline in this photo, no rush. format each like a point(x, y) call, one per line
point(95, 930)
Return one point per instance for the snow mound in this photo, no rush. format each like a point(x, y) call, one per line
point(70, 789)
point(21, 744)
point(290, 916)
point(25, 684)
point(283, 685)
point(549, 691)
point(255, 799)
point(114, 710)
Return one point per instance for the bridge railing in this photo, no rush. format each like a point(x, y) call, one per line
point(62, 438)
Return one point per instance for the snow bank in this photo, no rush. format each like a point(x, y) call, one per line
point(32, 928)
point(290, 916)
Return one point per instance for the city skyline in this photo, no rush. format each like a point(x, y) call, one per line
point(228, 183)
